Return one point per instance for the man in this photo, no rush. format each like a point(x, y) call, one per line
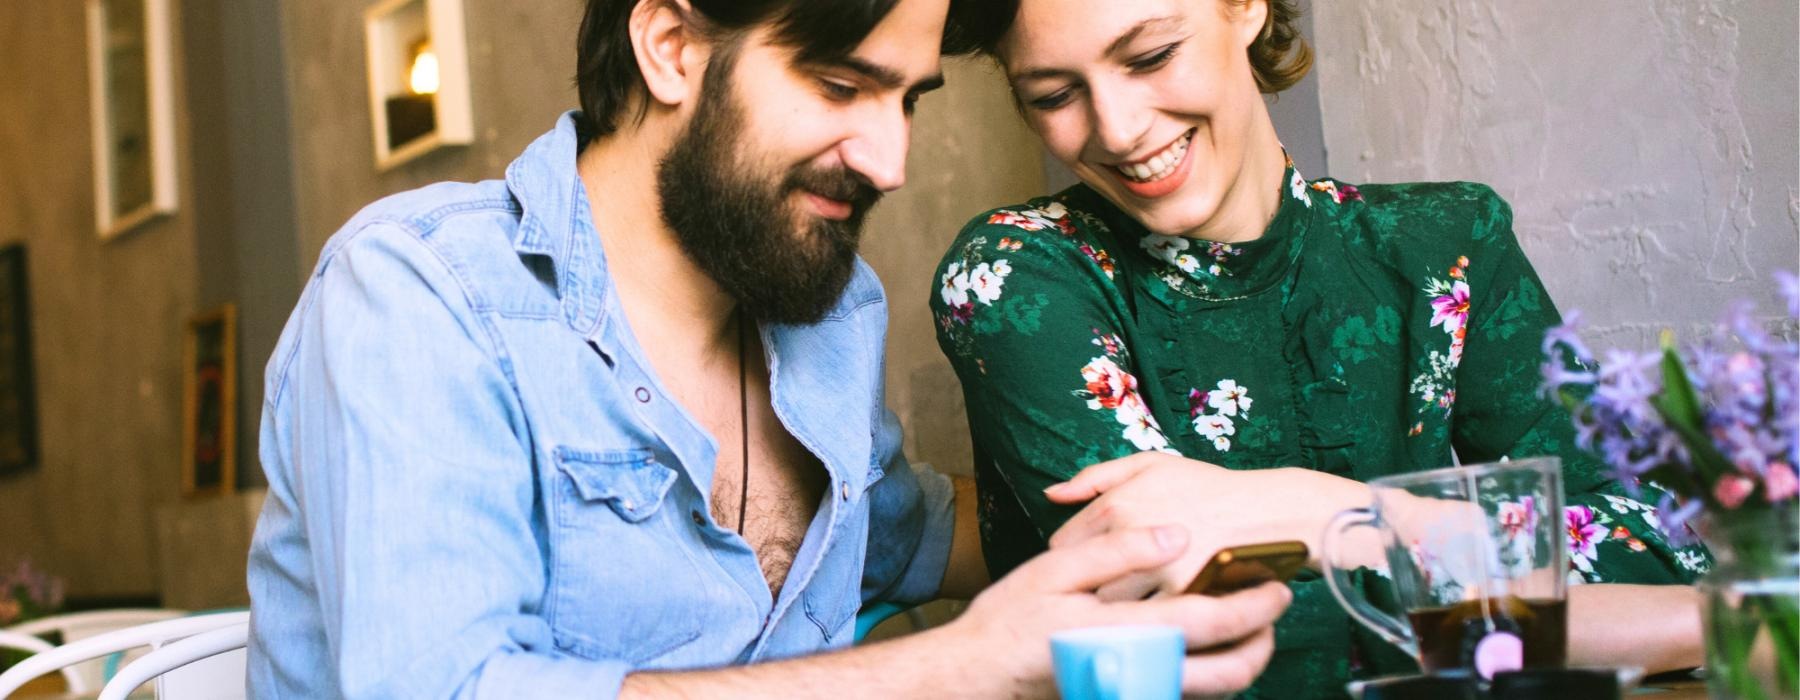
point(619, 417)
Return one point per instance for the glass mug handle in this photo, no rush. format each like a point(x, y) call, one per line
point(1392, 629)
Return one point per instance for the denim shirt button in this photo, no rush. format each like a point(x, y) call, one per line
point(643, 395)
point(844, 490)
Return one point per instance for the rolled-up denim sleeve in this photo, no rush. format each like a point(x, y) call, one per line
point(410, 466)
point(912, 517)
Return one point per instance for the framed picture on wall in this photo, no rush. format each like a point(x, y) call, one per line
point(130, 96)
point(18, 405)
point(418, 78)
point(209, 405)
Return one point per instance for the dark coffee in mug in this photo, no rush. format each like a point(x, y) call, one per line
point(1476, 634)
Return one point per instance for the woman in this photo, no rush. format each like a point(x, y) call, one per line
point(1290, 338)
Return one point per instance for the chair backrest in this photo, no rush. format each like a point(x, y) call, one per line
point(207, 666)
point(36, 645)
point(88, 676)
point(153, 634)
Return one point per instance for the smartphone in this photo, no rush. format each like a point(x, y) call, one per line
point(1250, 565)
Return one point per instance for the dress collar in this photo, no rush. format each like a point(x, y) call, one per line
point(1229, 271)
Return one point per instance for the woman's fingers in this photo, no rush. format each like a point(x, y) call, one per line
point(1100, 478)
point(1100, 560)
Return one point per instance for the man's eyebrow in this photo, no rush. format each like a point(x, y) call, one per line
point(1118, 44)
point(887, 77)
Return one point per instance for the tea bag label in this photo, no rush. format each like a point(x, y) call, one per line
point(1499, 652)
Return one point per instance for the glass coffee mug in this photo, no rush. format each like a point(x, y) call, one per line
point(1475, 558)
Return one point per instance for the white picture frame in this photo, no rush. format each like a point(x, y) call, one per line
point(392, 29)
point(132, 110)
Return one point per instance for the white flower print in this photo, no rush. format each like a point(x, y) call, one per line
point(985, 282)
point(1213, 426)
point(1691, 560)
point(1298, 185)
point(1165, 248)
point(1229, 398)
point(1140, 427)
point(1213, 411)
point(1188, 263)
point(954, 289)
point(1002, 268)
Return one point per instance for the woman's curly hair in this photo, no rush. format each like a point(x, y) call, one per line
point(1280, 56)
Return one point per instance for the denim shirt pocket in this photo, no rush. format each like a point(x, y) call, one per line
point(630, 482)
point(834, 595)
point(624, 583)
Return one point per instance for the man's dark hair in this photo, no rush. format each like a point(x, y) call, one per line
point(607, 75)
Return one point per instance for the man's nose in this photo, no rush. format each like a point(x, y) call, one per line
point(877, 151)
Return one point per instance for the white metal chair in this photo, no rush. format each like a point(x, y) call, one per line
point(73, 627)
point(209, 671)
point(36, 645)
point(154, 635)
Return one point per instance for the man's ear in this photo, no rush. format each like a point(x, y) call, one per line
point(1250, 22)
point(664, 41)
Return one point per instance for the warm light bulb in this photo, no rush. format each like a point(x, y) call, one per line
point(424, 78)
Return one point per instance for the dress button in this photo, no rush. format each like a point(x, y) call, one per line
point(844, 490)
point(699, 519)
point(643, 395)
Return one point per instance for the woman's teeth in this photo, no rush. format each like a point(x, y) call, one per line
point(1160, 166)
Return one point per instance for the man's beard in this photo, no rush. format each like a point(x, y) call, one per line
point(736, 222)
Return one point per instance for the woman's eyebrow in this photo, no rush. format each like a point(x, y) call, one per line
point(1117, 46)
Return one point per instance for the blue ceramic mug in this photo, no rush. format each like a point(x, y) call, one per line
point(1131, 662)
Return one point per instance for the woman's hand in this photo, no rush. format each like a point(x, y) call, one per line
point(1219, 508)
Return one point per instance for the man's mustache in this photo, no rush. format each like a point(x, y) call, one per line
point(837, 183)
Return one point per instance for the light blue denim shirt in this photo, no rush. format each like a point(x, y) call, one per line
point(479, 488)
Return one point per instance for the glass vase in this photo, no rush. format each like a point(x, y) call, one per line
point(1753, 606)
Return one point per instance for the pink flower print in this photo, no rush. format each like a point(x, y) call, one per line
point(1779, 483)
point(1111, 343)
point(1451, 310)
point(1518, 519)
point(1583, 532)
point(1197, 401)
point(1008, 218)
point(1108, 386)
point(1732, 489)
point(1349, 193)
point(963, 313)
point(1100, 257)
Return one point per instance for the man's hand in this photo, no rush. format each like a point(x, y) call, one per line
point(1008, 627)
point(1220, 507)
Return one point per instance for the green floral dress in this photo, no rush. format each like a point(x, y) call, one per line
point(1369, 331)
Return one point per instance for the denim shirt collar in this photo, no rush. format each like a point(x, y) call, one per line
point(555, 222)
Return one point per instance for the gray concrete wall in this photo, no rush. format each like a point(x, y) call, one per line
point(103, 510)
point(107, 320)
point(1648, 148)
point(521, 74)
